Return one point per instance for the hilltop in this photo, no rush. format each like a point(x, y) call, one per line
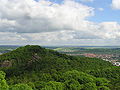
point(42, 66)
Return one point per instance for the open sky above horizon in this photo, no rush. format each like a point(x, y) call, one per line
point(60, 22)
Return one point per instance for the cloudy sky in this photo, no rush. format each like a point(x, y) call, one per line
point(60, 22)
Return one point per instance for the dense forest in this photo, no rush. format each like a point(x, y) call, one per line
point(35, 68)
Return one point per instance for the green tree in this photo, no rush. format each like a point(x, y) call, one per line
point(102, 82)
point(40, 84)
point(81, 77)
point(20, 87)
point(3, 84)
point(103, 88)
point(31, 84)
point(52, 85)
point(90, 86)
point(72, 85)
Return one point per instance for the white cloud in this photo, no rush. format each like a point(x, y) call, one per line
point(110, 30)
point(87, 0)
point(116, 4)
point(101, 9)
point(43, 16)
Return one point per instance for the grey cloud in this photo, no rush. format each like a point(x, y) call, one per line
point(86, 35)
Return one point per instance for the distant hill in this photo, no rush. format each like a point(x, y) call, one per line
point(34, 64)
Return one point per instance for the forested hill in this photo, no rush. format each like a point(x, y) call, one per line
point(45, 69)
point(36, 58)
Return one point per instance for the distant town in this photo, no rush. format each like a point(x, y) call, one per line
point(107, 57)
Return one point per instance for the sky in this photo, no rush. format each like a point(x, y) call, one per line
point(60, 22)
